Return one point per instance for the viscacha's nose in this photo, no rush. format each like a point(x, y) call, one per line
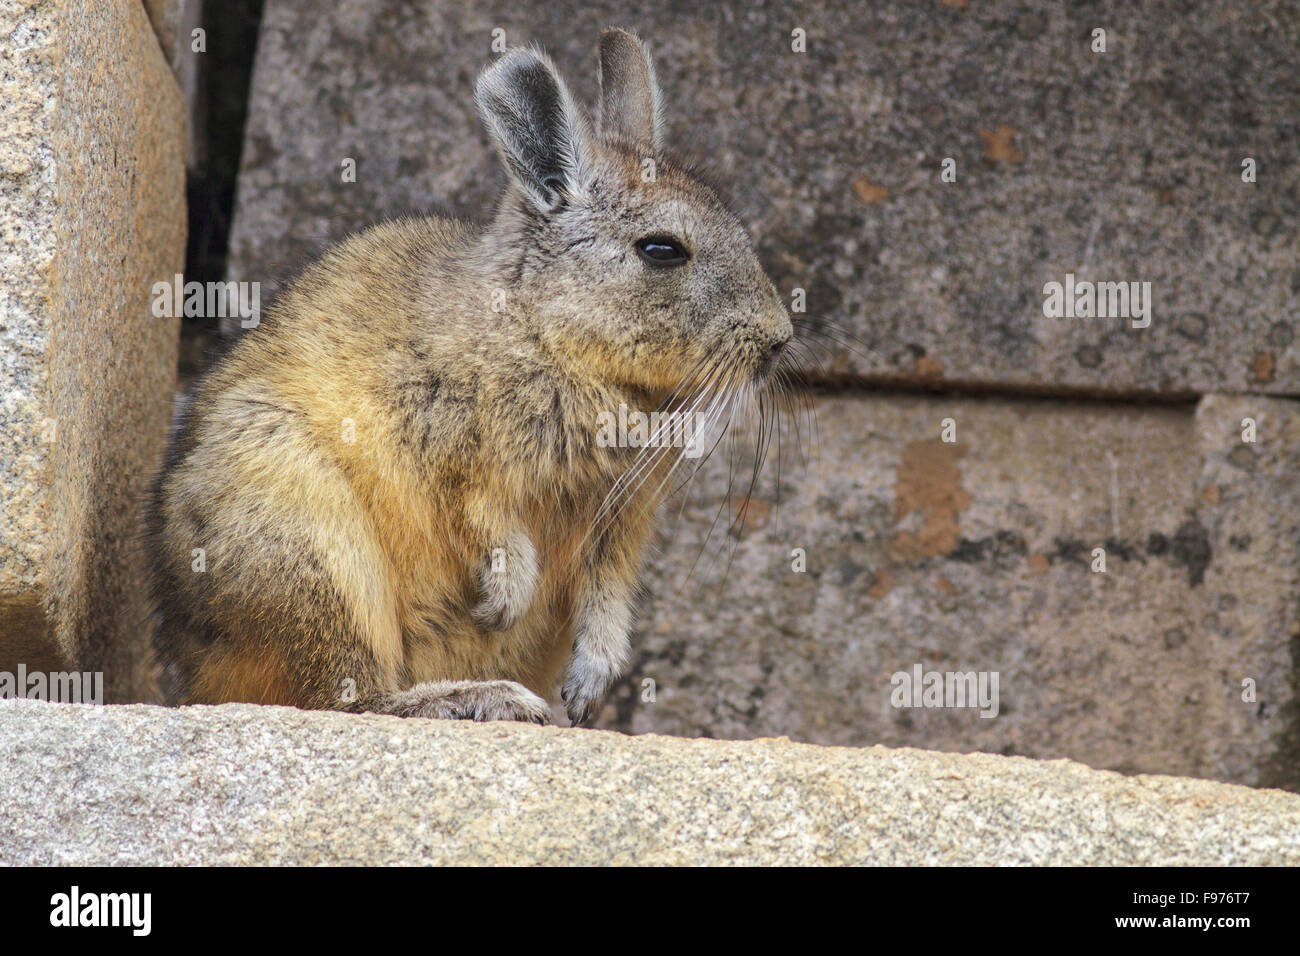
point(782, 328)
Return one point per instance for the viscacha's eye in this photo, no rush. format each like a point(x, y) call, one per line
point(661, 251)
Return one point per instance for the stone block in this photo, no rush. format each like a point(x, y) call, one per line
point(1122, 166)
point(978, 556)
point(92, 212)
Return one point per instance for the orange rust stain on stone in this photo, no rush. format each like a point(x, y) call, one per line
point(929, 482)
point(751, 513)
point(868, 191)
point(927, 367)
point(881, 586)
point(1263, 367)
point(944, 585)
point(1037, 563)
point(1210, 494)
point(1000, 146)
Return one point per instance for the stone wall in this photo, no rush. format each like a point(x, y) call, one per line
point(978, 556)
point(1122, 165)
point(92, 212)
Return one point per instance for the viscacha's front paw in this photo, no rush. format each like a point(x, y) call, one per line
point(584, 690)
point(507, 579)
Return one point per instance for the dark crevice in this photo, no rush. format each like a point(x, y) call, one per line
point(224, 75)
point(851, 384)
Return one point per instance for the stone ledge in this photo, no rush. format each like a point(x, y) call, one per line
point(239, 784)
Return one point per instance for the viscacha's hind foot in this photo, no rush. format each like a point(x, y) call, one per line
point(467, 700)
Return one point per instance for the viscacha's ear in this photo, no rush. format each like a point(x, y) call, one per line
point(629, 94)
point(537, 127)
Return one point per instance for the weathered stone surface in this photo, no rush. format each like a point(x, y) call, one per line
point(976, 556)
point(173, 23)
point(238, 785)
point(91, 213)
point(165, 18)
point(1248, 498)
point(1116, 166)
